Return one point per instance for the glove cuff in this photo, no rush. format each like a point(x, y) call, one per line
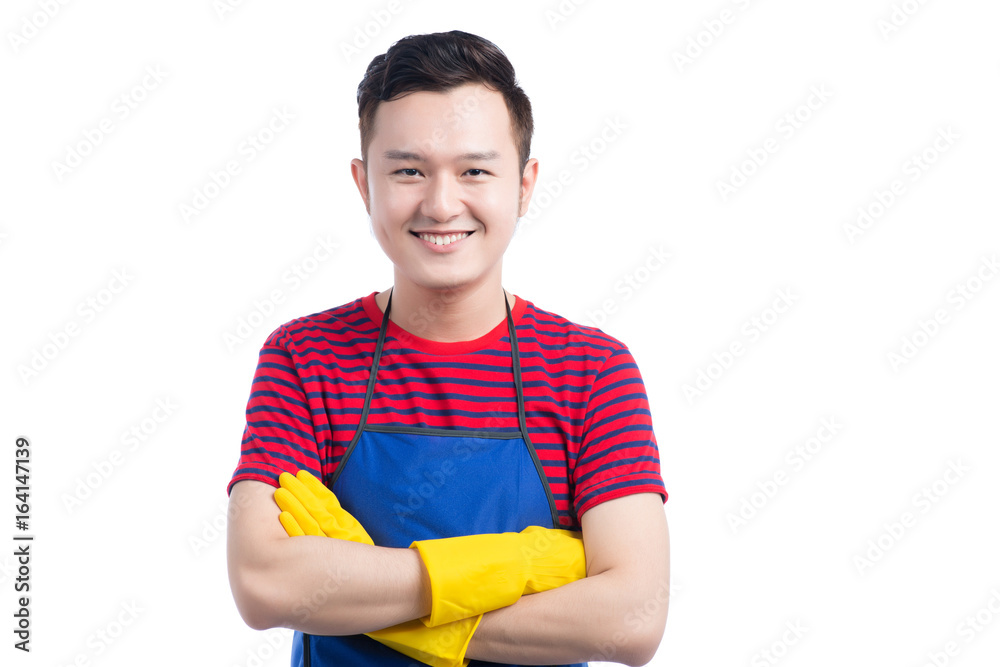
point(444, 646)
point(471, 575)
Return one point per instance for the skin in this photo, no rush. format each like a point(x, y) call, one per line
point(438, 190)
point(328, 586)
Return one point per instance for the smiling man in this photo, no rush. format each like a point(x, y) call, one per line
point(463, 475)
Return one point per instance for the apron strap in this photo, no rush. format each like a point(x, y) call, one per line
point(522, 421)
point(516, 363)
point(368, 393)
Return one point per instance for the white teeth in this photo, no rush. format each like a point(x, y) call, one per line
point(443, 239)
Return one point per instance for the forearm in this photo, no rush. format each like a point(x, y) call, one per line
point(326, 586)
point(316, 584)
point(603, 617)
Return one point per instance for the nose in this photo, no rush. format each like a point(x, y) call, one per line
point(442, 199)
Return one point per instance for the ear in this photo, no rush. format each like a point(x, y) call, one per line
point(361, 180)
point(528, 179)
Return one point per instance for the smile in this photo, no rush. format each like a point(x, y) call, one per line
point(443, 239)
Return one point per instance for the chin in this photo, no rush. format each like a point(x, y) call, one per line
point(438, 284)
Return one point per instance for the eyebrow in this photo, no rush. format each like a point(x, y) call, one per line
point(398, 155)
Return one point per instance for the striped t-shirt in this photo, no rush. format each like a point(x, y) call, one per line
point(585, 403)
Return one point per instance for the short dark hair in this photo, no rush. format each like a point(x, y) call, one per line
point(439, 62)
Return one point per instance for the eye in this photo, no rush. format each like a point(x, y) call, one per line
point(481, 172)
point(398, 171)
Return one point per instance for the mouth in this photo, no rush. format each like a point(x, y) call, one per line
point(442, 240)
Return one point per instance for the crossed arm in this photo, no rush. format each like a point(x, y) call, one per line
point(336, 587)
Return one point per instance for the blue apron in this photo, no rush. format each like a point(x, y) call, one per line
point(406, 483)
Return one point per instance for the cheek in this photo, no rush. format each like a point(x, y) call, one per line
point(497, 205)
point(391, 204)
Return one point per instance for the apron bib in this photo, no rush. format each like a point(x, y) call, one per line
point(406, 483)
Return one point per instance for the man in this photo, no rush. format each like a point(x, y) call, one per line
point(447, 407)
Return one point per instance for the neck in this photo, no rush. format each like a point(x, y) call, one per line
point(448, 315)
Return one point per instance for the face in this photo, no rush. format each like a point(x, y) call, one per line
point(443, 186)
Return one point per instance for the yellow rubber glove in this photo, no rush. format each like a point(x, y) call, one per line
point(443, 646)
point(307, 504)
point(310, 508)
point(475, 574)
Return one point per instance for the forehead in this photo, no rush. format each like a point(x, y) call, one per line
point(468, 118)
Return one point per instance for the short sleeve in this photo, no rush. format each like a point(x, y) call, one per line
point(279, 435)
point(618, 454)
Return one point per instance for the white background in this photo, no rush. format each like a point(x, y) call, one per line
point(143, 539)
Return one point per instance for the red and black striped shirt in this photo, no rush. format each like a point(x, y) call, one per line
point(585, 403)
